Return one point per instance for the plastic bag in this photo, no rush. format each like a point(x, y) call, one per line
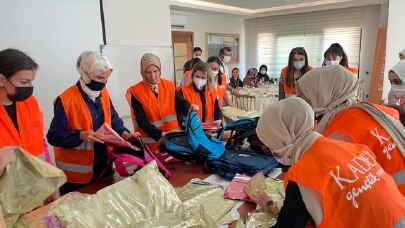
point(210, 197)
point(143, 200)
point(112, 138)
point(258, 220)
point(26, 184)
point(274, 189)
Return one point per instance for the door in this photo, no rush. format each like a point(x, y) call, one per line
point(182, 52)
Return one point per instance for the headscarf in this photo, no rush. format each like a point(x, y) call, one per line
point(397, 90)
point(286, 128)
point(402, 52)
point(147, 60)
point(90, 64)
point(328, 90)
point(399, 69)
point(250, 78)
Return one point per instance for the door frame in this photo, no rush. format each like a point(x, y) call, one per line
point(191, 47)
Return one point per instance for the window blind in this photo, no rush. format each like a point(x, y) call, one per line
point(315, 31)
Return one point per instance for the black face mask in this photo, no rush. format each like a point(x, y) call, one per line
point(21, 93)
point(96, 86)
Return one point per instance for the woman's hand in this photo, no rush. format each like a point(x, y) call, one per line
point(7, 156)
point(90, 136)
point(52, 197)
point(260, 198)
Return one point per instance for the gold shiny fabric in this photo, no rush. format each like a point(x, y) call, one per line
point(26, 184)
point(211, 198)
point(275, 190)
point(144, 200)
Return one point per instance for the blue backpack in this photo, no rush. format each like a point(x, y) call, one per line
point(243, 162)
point(243, 131)
point(193, 144)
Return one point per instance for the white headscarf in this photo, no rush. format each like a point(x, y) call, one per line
point(328, 90)
point(399, 69)
point(286, 128)
point(397, 90)
point(402, 52)
point(90, 64)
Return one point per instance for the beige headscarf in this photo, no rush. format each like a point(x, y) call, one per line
point(286, 128)
point(147, 60)
point(328, 90)
point(90, 64)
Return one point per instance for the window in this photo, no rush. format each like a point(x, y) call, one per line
point(316, 31)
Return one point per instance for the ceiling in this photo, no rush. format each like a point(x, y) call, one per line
point(258, 4)
point(254, 8)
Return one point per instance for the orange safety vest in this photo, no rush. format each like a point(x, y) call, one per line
point(362, 128)
point(192, 96)
point(354, 190)
point(353, 70)
point(77, 163)
point(187, 77)
point(30, 132)
point(289, 90)
point(160, 111)
point(221, 90)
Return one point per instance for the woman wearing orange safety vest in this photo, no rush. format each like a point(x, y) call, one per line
point(330, 184)
point(335, 55)
point(331, 91)
point(78, 112)
point(219, 81)
point(202, 95)
point(297, 66)
point(188, 68)
point(21, 119)
point(154, 103)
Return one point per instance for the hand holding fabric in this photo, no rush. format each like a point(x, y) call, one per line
point(90, 136)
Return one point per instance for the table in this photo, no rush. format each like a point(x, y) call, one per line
point(254, 99)
point(182, 174)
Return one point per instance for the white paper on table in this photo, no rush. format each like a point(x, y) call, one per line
point(275, 173)
point(217, 180)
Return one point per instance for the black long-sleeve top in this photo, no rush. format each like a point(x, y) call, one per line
point(293, 214)
point(181, 105)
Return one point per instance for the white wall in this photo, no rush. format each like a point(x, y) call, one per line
point(200, 22)
point(54, 33)
point(135, 23)
point(370, 21)
point(395, 38)
point(133, 28)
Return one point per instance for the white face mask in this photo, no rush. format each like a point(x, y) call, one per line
point(333, 62)
point(227, 59)
point(215, 73)
point(299, 64)
point(199, 83)
point(397, 94)
point(263, 72)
